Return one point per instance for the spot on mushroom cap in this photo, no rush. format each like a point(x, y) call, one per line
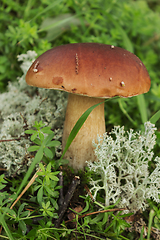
point(92, 69)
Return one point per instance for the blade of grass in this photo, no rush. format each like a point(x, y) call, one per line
point(121, 105)
point(54, 27)
point(77, 127)
point(142, 108)
point(4, 225)
point(79, 124)
point(59, 23)
point(49, 7)
point(155, 117)
point(141, 236)
point(126, 41)
point(151, 215)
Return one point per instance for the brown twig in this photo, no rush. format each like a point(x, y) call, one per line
point(89, 192)
point(97, 212)
point(9, 140)
point(67, 199)
point(3, 169)
point(25, 122)
point(43, 100)
point(26, 188)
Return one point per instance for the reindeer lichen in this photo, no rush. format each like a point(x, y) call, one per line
point(20, 107)
point(122, 168)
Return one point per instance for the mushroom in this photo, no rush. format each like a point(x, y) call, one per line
point(89, 72)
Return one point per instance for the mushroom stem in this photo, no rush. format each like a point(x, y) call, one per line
point(81, 149)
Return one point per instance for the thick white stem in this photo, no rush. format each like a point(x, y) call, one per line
point(81, 149)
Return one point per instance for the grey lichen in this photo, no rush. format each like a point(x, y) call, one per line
point(20, 107)
point(122, 168)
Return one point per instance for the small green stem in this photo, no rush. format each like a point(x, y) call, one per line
point(151, 215)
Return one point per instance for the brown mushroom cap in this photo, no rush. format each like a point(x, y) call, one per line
point(91, 69)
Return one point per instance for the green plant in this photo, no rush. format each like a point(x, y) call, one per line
point(45, 189)
point(46, 185)
point(23, 27)
point(101, 223)
point(45, 147)
point(156, 213)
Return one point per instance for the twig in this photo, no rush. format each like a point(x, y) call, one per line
point(9, 140)
point(3, 169)
point(43, 100)
point(89, 192)
point(26, 188)
point(67, 199)
point(97, 212)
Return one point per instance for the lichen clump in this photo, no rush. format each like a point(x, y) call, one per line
point(122, 168)
point(20, 107)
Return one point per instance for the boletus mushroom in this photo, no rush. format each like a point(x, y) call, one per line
point(89, 72)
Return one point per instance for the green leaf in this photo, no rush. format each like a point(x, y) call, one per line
point(53, 177)
point(47, 130)
point(105, 218)
point(53, 144)
point(40, 174)
point(61, 162)
point(11, 212)
point(41, 136)
point(97, 218)
point(43, 205)
point(30, 131)
point(86, 207)
point(55, 173)
point(48, 153)
point(32, 233)
point(20, 209)
point(48, 204)
point(48, 139)
point(40, 195)
point(155, 117)
point(37, 141)
point(41, 167)
point(38, 125)
point(33, 137)
point(48, 168)
point(23, 227)
point(5, 227)
point(25, 214)
point(33, 148)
